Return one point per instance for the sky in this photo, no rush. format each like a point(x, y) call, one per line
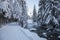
point(30, 5)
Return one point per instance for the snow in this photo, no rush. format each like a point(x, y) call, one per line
point(48, 19)
point(30, 23)
point(13, 31)
point(56, 21)
point(33, 29)
point(3, 5)
point(35, 23)
point(59, 36)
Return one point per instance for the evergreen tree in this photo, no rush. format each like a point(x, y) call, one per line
point(41, 11)
point(48, 16)
point(16, 7)
point(45, 11)
point(24, 17)
point(34, 14)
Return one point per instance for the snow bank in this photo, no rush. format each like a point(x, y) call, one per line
point(13, 31)
point(29, 21)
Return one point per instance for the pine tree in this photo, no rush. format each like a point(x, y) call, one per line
point(45, 11)
point(48, 15)
point(24, 17)
point(41, 11)
point(14, 7)
point(34, 14)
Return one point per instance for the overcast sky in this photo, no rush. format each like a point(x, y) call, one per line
point(30, 5)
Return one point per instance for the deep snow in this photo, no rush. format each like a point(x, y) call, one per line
point(13, 31)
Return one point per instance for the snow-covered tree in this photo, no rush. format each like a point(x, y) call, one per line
point(34, 14)
point(11, 7)
point(45, 11)
point(48, 15)
point(24, 16)
point(16, 7)
point(54, 11)
point(41, 11)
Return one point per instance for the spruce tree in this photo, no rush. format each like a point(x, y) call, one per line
point(24, 14)
point(48, 16)
point(34, 14)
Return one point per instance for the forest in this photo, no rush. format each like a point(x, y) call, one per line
point(45, 21)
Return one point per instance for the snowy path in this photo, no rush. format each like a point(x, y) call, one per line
point(13, 31)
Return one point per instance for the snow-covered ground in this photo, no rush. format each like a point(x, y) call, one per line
point(13, 31)
point(31, 24)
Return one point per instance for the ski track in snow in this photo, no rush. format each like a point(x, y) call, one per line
point(13, 31)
